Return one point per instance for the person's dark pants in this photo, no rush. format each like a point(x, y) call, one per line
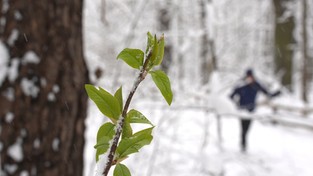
point(245, 124)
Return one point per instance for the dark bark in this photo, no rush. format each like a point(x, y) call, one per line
point(164, 19)
point(50, 131)
point(283, 40)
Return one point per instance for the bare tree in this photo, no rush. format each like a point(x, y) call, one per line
point(42, 100)
point(164, 18)
point(283, 39)
point(305, 68)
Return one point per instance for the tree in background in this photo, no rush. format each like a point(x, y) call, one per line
point(283, 40)
point(306, 75)
point(43, 103)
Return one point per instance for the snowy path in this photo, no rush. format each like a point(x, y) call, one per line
point(185, 143)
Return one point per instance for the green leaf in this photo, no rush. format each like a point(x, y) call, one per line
point(106, 103)
point(135, 116)
point(134, 143)
point(102, 146)
point(133, 57)
point(154, 53)
point(104, 135)
point(163, 83)
point(127, 129)
point(121, 170)
point(106, 129)
point(119, 96)
point(150, 42)
point(160, 52)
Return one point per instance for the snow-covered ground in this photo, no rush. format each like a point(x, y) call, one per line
point(186, 143)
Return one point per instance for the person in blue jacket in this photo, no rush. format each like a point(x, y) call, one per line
point(245, 96)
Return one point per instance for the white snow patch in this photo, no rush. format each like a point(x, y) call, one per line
point(4, 55)
point(13, 70)
point(15, 151)
point(24, 173)
point(55, 144)
point(5, 6)
point(29, 88)
point(9, 117)
point(43, 82)
point(55, 88)
point(51, 97)
point(10, 168)
point(17, 15)
point(13, 37)
point(36, 143)
point(101, 164)
point(23, 132)
point(31, 57)
point(103, 161)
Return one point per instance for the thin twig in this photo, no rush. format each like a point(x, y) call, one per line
point(119, 127)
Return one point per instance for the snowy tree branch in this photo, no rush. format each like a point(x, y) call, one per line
point(119, 128)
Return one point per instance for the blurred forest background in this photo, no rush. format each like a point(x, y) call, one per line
point(50, 48)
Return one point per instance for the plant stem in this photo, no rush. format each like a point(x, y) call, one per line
point(120, 123)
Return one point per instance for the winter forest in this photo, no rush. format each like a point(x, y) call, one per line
point(241, 74)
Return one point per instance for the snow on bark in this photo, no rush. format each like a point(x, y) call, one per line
point(9, 117)
point(103, 161)
point(4, 55)
point(29, 88)
point(30, 57)
point(15, 151)
point(13, 37)
point(13, 70)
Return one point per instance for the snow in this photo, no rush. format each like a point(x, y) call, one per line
point(15, 151)
point(11, 168)
point(51, 97)
point(36, 143)
point(24, 173)
point(9, 117)
point(30, 57)
point(55, 144)
point(29, 88)
point(4, 54)
point(5, 6)
point(101, 164)
point(17, 15)
point(56, 88)
point(13, 70)
point(13, 37)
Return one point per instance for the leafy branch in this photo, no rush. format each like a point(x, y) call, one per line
point(109, 148)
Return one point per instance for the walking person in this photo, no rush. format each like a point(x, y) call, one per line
point(245, 96)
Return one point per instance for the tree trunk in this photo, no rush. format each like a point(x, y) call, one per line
point(206, 68)
point(43, 107)
point(164, 19)
point(283, 39)
point(305, 67)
